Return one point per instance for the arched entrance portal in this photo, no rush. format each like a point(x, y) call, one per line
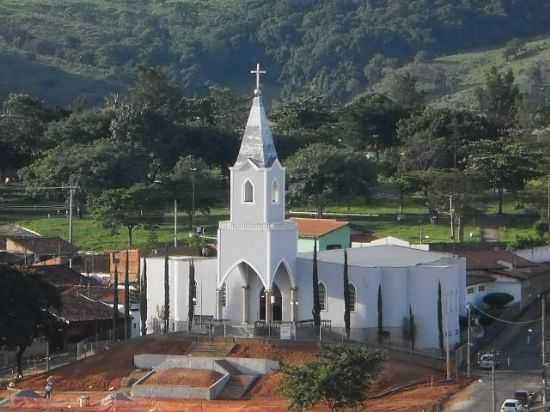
point(276, 304)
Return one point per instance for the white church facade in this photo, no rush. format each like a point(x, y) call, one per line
point(258, 274)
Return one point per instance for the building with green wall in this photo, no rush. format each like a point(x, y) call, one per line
point(330, 234)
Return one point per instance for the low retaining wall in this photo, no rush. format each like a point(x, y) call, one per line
point(247, 366)
point(170, 392)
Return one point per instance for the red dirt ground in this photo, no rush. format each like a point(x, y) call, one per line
point(104, 370)
point(196, 378)
point(289, 353)
point(410, 401)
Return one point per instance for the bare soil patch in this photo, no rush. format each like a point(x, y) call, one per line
point(284, 353)
point(196, 378)
point(106, 369)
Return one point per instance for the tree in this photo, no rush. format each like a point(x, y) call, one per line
point(166, 317)
point(191, 296)
point(512, 48)
point(440, 138)
point(504, 165)
point(320, 173)
point(380, 315)
point(403, 88)
point(412, 328)
point(375, 70)
point(316, 311)
point(126, 207)
point(347, 302)
point(26, 305)
point(143, 299)
point(370, 122)
point(499, 98)
point(115, 304)
point(341, 378)
point(195, 185)
point(127, 322)
point(440, 316)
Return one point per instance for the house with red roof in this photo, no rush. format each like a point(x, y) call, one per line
point(330, 234)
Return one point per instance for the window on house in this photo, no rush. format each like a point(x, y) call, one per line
point(481, 288)
point(322, 296)
point(352, 297)
point(223, 296)
point(275, 192)
point(248, 192)
point(334, 246)
point(470, 291)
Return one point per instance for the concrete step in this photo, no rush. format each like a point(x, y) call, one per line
point(237, 387)
point(210, 349)
point(228, 367)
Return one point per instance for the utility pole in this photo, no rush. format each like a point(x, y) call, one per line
point(71, 191)
point(468, 348)
point(548, 204)
point(543, 344)
point(493, 390)
point(193, 171)
point(175, 223)
point(452, 216)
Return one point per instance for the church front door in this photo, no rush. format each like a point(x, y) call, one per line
point(276, 304)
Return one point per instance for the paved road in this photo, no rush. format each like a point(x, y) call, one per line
point(522, 345)
point(477, 397)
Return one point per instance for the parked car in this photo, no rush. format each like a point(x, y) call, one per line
point(486, 361)
point(525, 397)
point(512, 405)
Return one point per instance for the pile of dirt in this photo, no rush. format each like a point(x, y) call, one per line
point(105, 370)
point(195, 378)
point(284, 353)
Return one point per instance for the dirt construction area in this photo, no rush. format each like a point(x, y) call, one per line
point(110, 371)
point(195, 378)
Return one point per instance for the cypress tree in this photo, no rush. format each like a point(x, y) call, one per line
point(440, 316)
point(347, 302)
point(127, 323)
point(412, 328)
point(143, 299)
point(166, 295)
point(380, 319)
point(316, 303)
point(115, 303)
point(191, 302)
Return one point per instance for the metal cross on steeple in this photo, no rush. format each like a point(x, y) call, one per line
point(258, 73)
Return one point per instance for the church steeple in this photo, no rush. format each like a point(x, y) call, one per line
point(257, 143)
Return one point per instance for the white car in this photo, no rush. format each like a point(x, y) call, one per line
point(512, 405)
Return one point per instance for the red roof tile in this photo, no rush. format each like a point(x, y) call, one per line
point(317, 227)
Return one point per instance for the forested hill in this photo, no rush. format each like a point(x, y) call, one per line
point(61, 49)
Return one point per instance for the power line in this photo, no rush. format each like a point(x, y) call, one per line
point(527, 322)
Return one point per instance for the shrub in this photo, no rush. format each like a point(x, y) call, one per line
point(498, 299)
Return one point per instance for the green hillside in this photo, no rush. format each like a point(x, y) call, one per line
point(62, 49)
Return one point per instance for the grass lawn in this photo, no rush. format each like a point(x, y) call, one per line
point(379, 217)
point(91, 235)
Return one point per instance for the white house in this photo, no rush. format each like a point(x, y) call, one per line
point(259, 276)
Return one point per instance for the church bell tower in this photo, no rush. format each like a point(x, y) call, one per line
point(257, 233)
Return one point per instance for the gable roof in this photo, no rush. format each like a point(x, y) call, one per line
point(314, 228)
point(78, 308)
point(492, 259)
point(62, 276)
point(257, 142)
point(51, 246)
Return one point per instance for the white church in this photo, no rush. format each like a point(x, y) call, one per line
point(258, 274)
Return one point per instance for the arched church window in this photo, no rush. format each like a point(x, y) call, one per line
point(248, 192)
point(194, 296)
point(352, 297)
point(322, 296)
point(223, 296)
point(275, 192)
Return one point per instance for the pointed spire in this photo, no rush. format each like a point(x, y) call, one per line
point(257, 143)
